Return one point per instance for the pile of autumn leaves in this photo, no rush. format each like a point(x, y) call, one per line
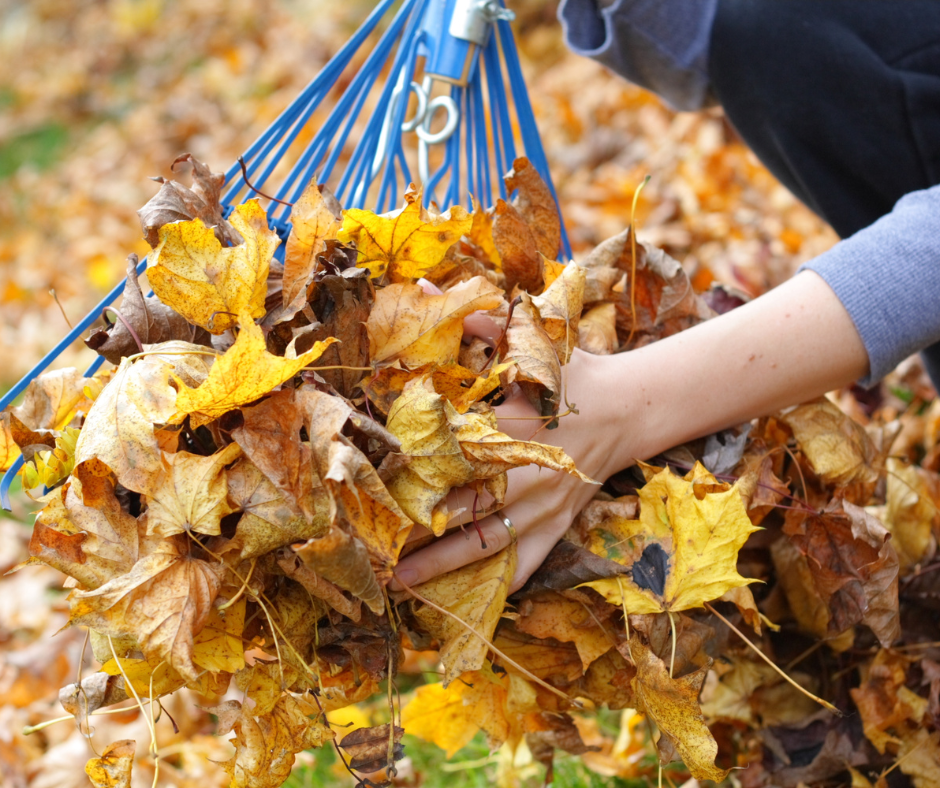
point(230, 500)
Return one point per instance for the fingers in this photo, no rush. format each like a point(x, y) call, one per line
point(478, 324)
point(451, 552)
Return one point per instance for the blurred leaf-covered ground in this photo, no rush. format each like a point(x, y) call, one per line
point(96, 96)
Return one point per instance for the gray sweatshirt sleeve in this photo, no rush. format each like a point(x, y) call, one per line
point(661, 45)
point(888, 278)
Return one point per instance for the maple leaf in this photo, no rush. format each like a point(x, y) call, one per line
point(143, 675)
point(492, 452)
point(369, 748)
point(113, 768)
point(450, 716)
point(151, 320)
point(118, 429)
point(481, 236)
point(536, 205)
point(342, 559)
point(266, 744)
point(474, 594)
point(342, 304)
point(314, 219)
point(269, 520)
point(450, 381)
point(52, 399)
point(854, 567)
point(292, 566)
point(682, 551)
point(9, 451)
point(362, 505)
point(408, 325)
point(559, 309)
point(546, 658)
point(164, 600)
point(112, 536)
point(174, 203)
point(418, 418)
point(551, 615)
point(191, 493)
point(407, 244)
point(597, 330)
point(911, 514)
point(244, 373)
point(270, 437)
point(218, 646)
point(211, 285)
point(838, 449)
point(517, 247)
point(673, 705)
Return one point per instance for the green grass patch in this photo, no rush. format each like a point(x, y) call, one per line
point(41, 147)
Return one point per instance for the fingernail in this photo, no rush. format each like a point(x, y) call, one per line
point(406, 577)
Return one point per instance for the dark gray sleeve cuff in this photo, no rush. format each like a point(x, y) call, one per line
point(661, 45)
point(888, 278)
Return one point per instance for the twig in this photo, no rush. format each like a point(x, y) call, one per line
point(241, 162)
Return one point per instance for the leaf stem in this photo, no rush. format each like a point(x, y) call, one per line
point(825, 704)
point(532, 677)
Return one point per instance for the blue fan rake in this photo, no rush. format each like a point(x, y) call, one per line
point(470, 117)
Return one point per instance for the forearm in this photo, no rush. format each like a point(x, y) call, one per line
point(790, 345)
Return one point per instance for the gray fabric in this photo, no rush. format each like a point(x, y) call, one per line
point(887, 275)
point(661, 45)
point(888, 278)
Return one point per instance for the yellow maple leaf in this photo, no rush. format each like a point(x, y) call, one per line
point(312, 223)
point(245, 372)
point(164, 600)
point(673, 705)
point(113, 768)
point(450, 716)
point(418, 418)
point(406, 245)
point(118, 429)
point(144, 676)
point(684, 548)
point(218, 646)
point(413, 327)
point(266, 745)
point(475, 594)
point(191, 272)
point(191, 493)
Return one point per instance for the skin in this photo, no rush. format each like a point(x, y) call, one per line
point(791, 345)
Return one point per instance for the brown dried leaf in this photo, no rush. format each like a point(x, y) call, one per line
point(368, 748)
point(342, 559)
point(164, 600)
point(518, 249)
point(536, 206)
point(408, 325)
point(151, 319)
point(191, 493)
point(174, 203)
point(266, 745)
point(269, 520)
point(854, 567)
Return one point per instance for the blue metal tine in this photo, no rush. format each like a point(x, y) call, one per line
point(487, 122)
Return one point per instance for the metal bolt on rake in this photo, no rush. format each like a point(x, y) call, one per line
point(457, 58)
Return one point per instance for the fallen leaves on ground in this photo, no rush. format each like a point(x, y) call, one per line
point(232, 510)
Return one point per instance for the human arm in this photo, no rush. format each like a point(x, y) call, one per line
point(792, 344)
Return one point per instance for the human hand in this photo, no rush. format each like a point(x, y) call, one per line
point(540, 503)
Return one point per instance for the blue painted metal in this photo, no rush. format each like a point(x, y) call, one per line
point(494, 121)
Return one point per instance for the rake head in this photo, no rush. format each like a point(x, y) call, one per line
point(432, 89)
